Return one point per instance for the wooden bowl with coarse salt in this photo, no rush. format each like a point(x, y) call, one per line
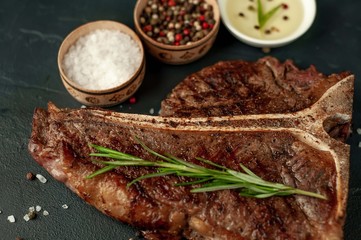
point(164, 35)
point(101, 63)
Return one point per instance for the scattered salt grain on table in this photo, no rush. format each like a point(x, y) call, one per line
point(45, 213)
point(38, 208)
point(41, 178)
point(26, 217)
point(64, 206)
point(102, 59)
point(11, 218)
point(31, 214)
point(359, 144)
point(358, 131)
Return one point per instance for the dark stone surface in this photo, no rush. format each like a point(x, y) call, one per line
point(30, 35)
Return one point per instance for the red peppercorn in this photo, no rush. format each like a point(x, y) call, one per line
point(211, 26)
point(147, 28)
point(176, 43)
point(205, 25)
point(186, 31)
point(162, 34)
point(202, 18)
point(30, 176)
point(171, 3)
point(132, 100)
point(178, 37)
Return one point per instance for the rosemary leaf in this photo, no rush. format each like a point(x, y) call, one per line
point(264, 17)
point(215, 178)
point(101, 171)
point(212, 188)
point(150, 175)
point(249, 172)
point(110, 151)
point(194, 182)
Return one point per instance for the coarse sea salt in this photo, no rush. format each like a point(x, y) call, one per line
point(102, 59)
point(38, 208)
point(26, 218)
point(41, 178)
point(11, 218)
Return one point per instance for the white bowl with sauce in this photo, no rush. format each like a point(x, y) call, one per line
point(285, 26)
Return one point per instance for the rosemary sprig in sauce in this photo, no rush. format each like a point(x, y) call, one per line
point(216, 178)
point(264, 17)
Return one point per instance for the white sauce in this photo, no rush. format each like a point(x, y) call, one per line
point(278, 26)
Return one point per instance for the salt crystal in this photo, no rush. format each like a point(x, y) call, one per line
point(31, 209)
point(65, 206)
point(45, 213)
point(41, 178)
point(26, 217)
point(102, 59)
point(359, 144)
point(151, 111)
point(1, 212)
point(358, 131)
point(11, 218)
point(83, 106)
point(38, 208)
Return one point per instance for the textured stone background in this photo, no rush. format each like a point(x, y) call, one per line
point(30, 35)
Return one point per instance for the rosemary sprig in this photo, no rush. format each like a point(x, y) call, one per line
point(264, 17)
point(207, 179)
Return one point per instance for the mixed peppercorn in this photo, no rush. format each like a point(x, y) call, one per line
point(177, 22)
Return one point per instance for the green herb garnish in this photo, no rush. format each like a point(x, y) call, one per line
point(264, 17)
point(207, 179)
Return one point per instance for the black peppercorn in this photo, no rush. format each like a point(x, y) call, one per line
point(177, 22)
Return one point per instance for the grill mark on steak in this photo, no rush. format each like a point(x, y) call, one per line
point(240, 87)
point(290, 148)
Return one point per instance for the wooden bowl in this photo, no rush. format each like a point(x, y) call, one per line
point(106, 97)
point(181, 54)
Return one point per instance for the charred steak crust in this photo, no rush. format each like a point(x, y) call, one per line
point(157, 204)
point(291, 148)
point(240, 87)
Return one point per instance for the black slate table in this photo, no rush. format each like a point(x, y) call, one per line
point(30, 35)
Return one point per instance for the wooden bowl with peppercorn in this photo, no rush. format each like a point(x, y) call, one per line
point(176, 31)
point(101, 63)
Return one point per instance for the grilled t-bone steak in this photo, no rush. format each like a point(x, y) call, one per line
point(291, 148)
point(241, 87)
